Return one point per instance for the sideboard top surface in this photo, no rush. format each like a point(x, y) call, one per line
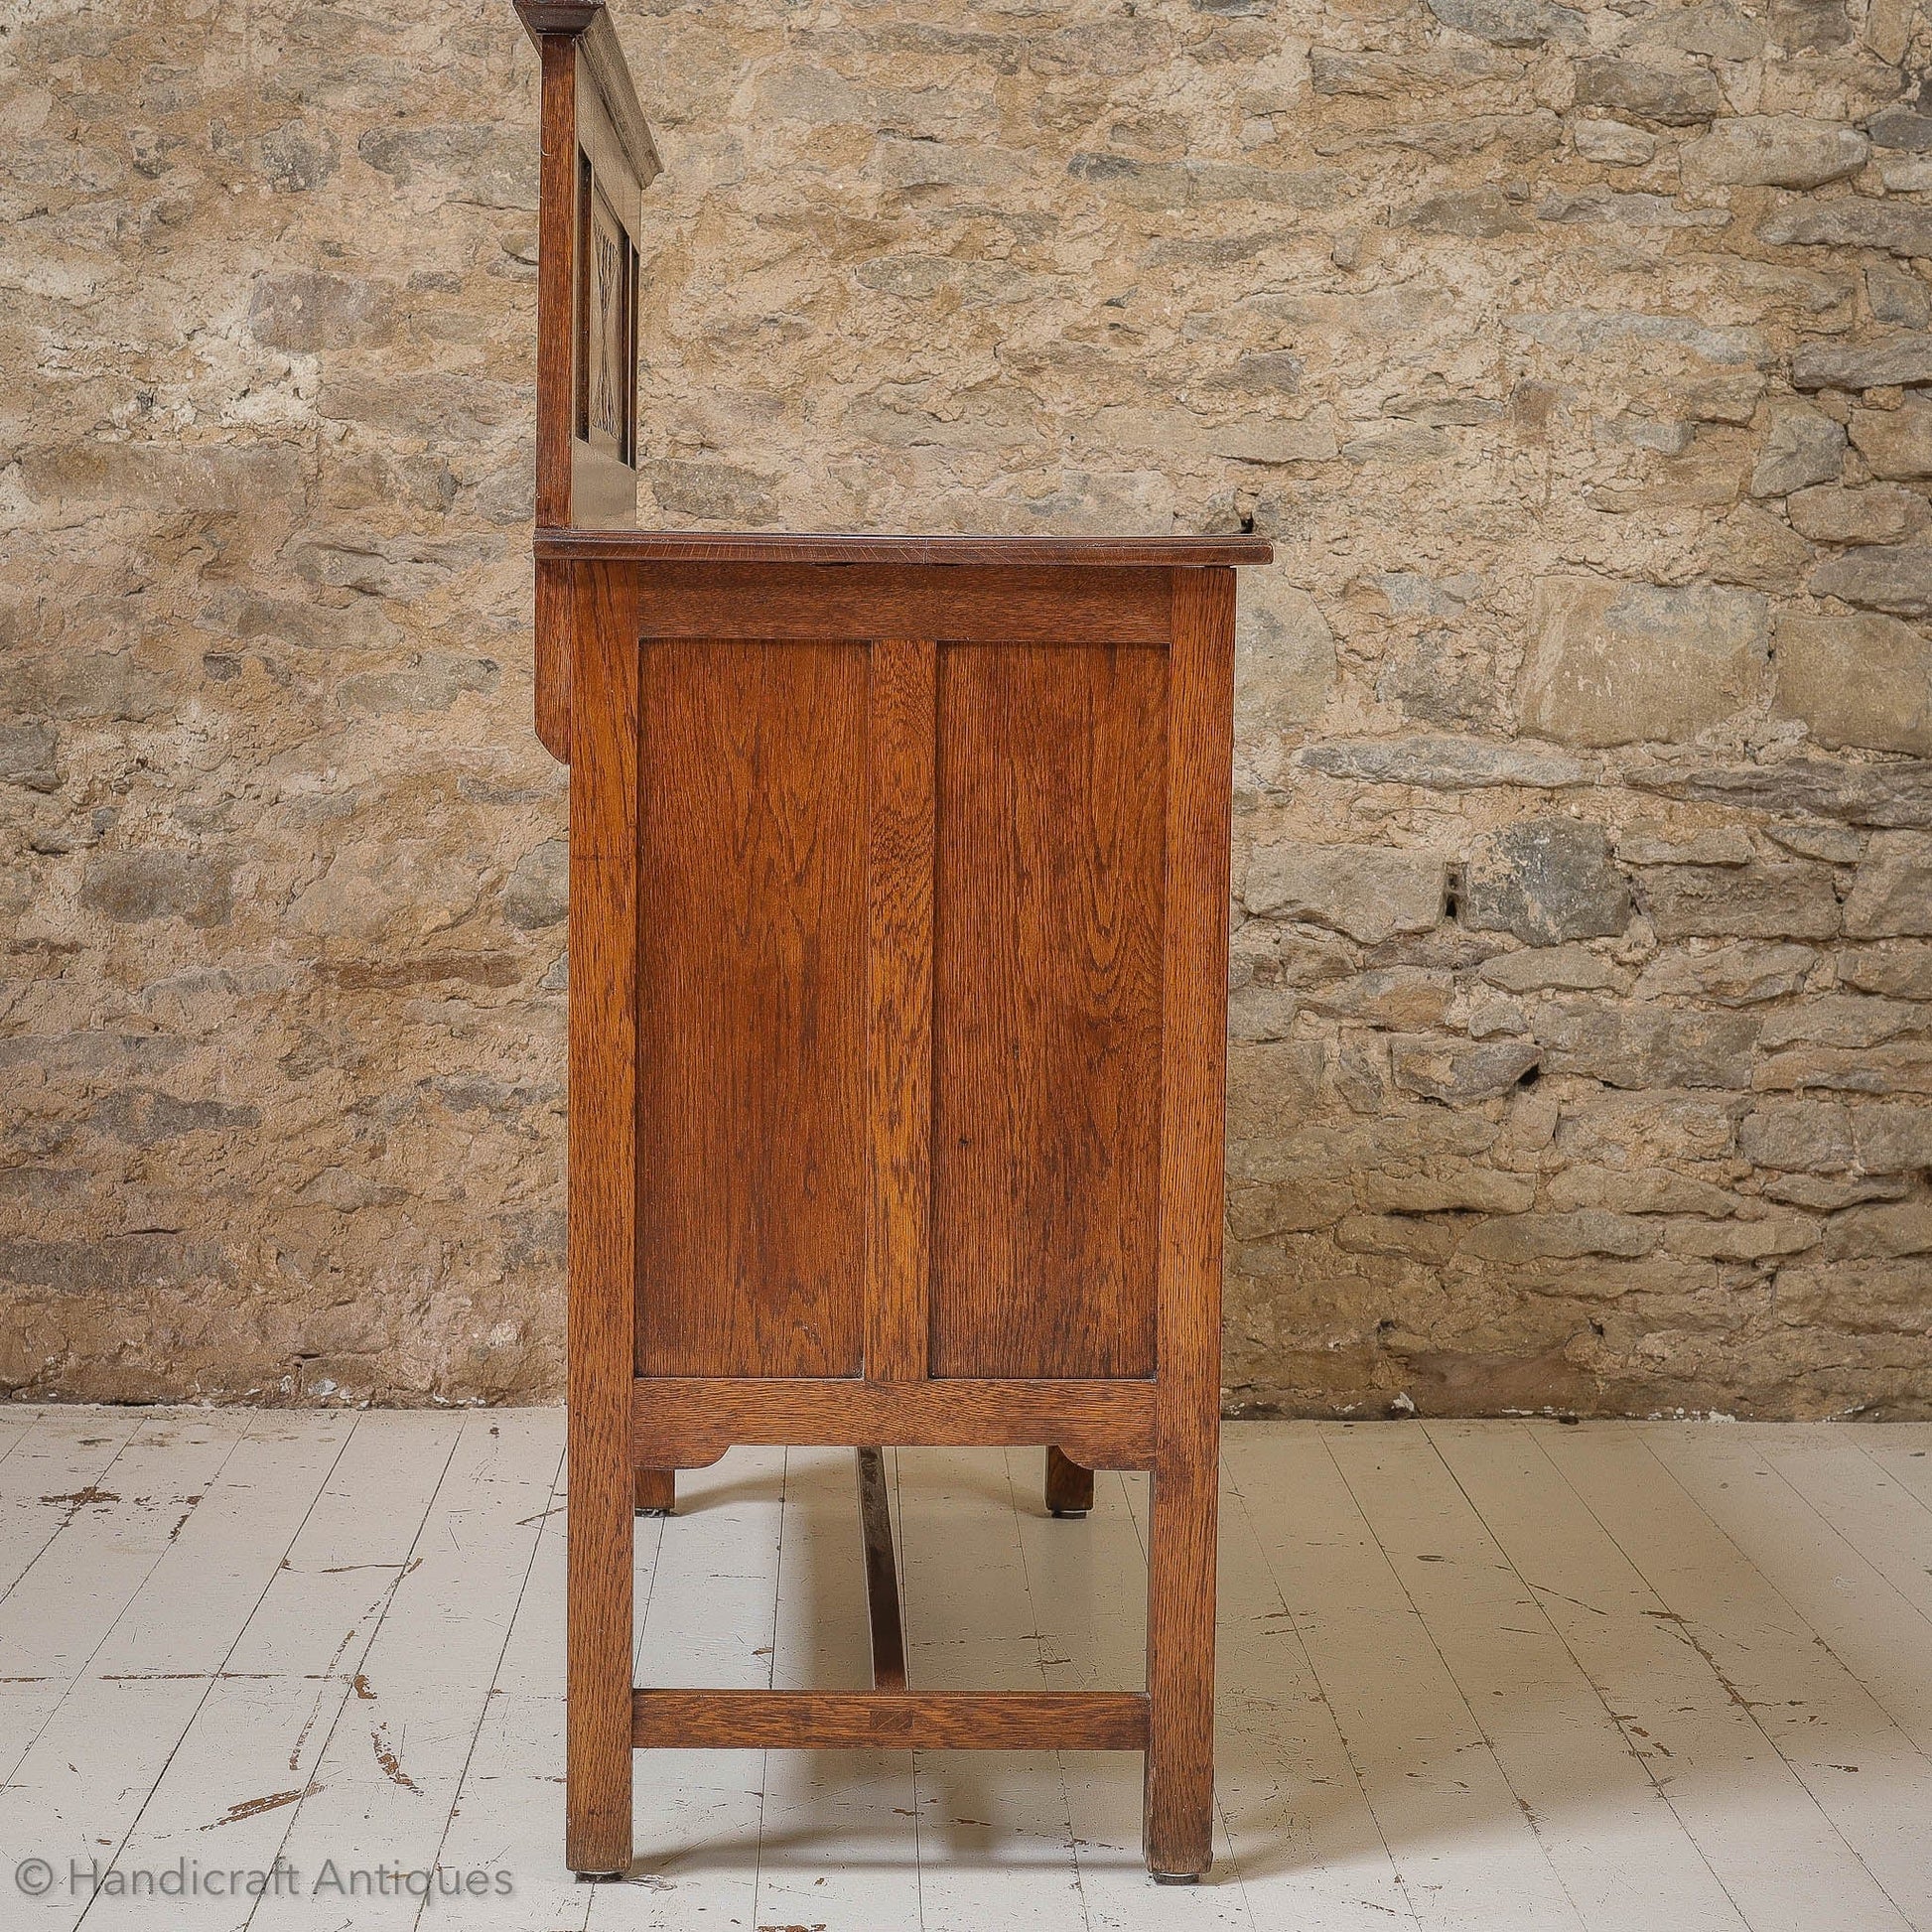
point(754, 547)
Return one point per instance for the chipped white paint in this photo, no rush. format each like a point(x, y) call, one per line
point(1472, 1675)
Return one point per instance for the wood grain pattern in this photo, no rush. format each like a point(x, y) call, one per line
point(1046, 1010)
point(882, 1573)
point(840, 547)
point(556, 276)
point(926, 1721)
point(686, 1422)
point(899, 1008)
point(860, 599)
point(1179, 1790)
point(1068, 1485)
point(751, 1238)
point(654, 1493)
point(602, 1230)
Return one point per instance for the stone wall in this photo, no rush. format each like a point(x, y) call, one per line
point(1584, 789)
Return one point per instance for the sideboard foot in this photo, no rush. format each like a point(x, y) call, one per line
point(1069, 1487)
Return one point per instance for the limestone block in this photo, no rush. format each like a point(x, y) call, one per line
point(1893, 894)
point(1896, 442)
point(1461, 763)
point(1613, 144)
point(1813, 1136)
point(1883, 576)
point(139, 887)
point(1259, 1011)
point(1546, 881)
point(1564, 969)
point(1676, 95)
point(1639, 1191)
point(1775, 898)
point(1510, 23)
point(1898, 1066)
point(1756, 1240)
point(1646, 842)
point(1560, 1237)
point(1367, 892)
point(1877, 513)
point(1735, 975)
point(1636, 1047)
point(1844, 1020)
point(1774, 151)
point(1900, 227)
point(538, 893)
point(1457, 1072)
point(1803, 446)
point(1400, 998)
point(1900, 969)
point(1449, 1187)
point(1613, 663)
point(29, 756)
point(1857, 680)
point(1284, 655)
point(1883, 1232)
point(1895, 294)
point(1888, 362)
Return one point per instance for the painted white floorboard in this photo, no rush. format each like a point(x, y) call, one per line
point(1790, 1515)
point(1467, 1854)
point(82, 1784)
point(837, 1842)
point(389, 1773)
point(996, 1842)
point(1865, 1776)
point(1762, 1833)
point(1472, 1674)
point(507, 1821)
point(62, 1454)
point(1311, 1852)
point(1620, 1852)
point(249, 1751)
point(1087, 1583)
point(113, 1534)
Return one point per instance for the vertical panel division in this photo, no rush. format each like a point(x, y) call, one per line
point(1047, 1009)
point(899, 1047)
point(602, 1210)
point(752, 960)
point(1194, 1084)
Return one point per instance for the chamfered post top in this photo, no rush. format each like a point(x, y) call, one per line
point(588, 22)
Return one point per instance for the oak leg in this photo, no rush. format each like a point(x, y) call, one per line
point(657, 1492)
point(597, 1747)
point(1069, 1485)
point(1179, 1790)
point(601, 1202)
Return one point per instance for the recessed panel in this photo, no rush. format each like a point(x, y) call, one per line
point(752, 1009)
point(1047, 1009)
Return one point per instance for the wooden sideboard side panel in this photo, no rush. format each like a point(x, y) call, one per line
point(898, 1246)
point(1048, 1010)
point(753, 916)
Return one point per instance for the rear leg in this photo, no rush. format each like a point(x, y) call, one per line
point(1069, 1485)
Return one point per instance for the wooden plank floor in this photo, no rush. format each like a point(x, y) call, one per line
point(1496, 1675)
